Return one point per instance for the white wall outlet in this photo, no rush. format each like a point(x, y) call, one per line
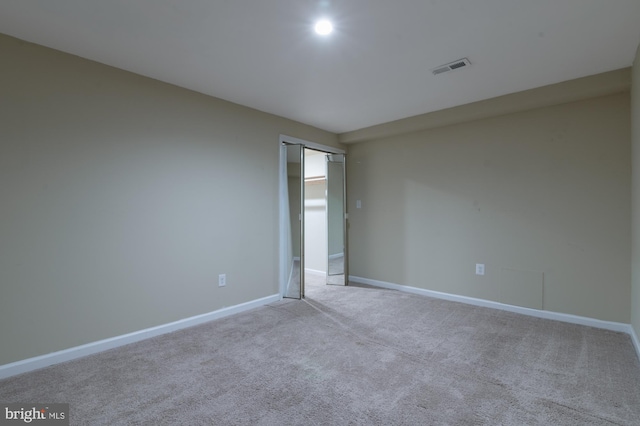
point(222, 280)
point(358, 204)
point(479, 268)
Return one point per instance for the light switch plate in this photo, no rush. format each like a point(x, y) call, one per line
point(479, 268)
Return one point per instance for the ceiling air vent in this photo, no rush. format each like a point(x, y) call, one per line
point(451, 66)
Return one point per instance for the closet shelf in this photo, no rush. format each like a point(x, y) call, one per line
point(315, 179)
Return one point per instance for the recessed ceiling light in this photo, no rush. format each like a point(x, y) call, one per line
point(324, 27)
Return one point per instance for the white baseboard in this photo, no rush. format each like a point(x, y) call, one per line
point(37, 362)
point(574, 319)
point(314, 272)
point(336, 256)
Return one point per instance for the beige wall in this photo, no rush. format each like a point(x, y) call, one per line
point(542, 197)
point(635, 141)
point(123, 198)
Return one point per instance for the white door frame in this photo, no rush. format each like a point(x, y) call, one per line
point(283, 192)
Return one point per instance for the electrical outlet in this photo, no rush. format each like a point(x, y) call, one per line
point(479, 268)
point(222, 280)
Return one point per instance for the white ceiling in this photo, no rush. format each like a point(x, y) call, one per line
point(374, 68)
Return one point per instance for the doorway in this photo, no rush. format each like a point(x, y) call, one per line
point(313, 217)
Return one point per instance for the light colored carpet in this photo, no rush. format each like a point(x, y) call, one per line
point(353, 355)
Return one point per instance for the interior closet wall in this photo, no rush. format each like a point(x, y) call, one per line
point(315, 212)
